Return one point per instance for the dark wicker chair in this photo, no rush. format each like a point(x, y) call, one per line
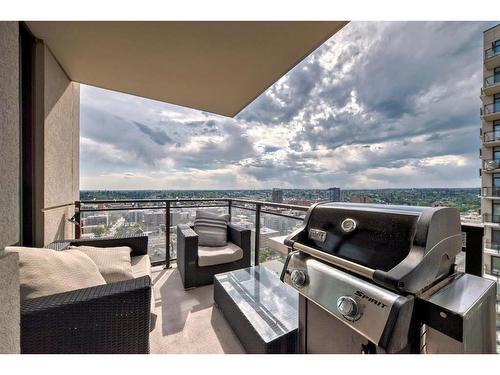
point(187, 255)
point(111, 318)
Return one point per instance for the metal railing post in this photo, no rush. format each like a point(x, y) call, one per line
point(167, 234)
point(257, 233)
point(78, 226)
point(229, 206)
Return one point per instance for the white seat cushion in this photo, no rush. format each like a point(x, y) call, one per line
point(113, 262)
point(210, 256)
point(141, 266)
point(43, 272)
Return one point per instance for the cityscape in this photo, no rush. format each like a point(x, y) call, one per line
point(151, 221)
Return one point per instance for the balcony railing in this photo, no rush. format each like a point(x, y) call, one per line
point(490, 218)
point(491, 136)
point(98, 218)
point(491, 52)
point(492, 245)
point(491, 191)
point(492, 80)
point(127, 217)
point(489, 109)
point(491, 164)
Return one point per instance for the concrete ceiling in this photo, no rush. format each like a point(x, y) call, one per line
point(218, 67)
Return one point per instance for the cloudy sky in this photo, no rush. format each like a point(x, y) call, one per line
point(378, 105)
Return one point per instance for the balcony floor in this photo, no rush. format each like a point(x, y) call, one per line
point(187, 322)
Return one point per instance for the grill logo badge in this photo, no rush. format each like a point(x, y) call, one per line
point(318, 235)
point(370, 299)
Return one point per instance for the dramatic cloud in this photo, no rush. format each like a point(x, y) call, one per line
point(378, 105)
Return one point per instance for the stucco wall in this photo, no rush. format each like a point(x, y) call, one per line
point(9, 133)
point(61, 149)
point(9, 304)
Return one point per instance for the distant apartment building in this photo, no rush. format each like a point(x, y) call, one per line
point(153, 220)
point(92, 220)
point(490, 150)
point(355, 198)
point(265, 235)
point(134, 216)
point(277, 195)
point(334, 194)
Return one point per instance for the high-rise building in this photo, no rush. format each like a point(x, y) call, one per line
point(277, 195)
point(490, 156)
point(490, 150)
point(334, 194)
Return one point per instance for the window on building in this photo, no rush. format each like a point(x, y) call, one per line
point(496, 153)
point(495, 265)
point(496, 180)
point(495, 238)
point(496, 75)
point(496, 211)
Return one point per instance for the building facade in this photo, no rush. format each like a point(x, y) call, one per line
point(277, 195)
point(490, 151)
point(334, 194)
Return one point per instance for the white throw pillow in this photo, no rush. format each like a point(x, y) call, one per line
point(44, 272)
point(114, 263)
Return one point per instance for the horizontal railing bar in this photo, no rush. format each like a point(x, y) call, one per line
point(121, 209)
point(173, 200)
point(146, 208)
point(152, 200)
point(203, 206)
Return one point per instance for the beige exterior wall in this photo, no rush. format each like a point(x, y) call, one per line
point(61, 135)
point(490, 36)
point(9, 304)
point(9, 134)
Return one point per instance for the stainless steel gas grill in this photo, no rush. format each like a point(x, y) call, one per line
point(381, 279)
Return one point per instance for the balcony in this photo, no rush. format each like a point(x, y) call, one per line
point(491, 220)
point(189, 323)
point(492, 247)
point(492, 58)
point(490, 112)
point(491, 138)
point(108, 218)
point(490, 192)
point(491, 165)
point(491, 85)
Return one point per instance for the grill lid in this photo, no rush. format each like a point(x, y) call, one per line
point(401, 247)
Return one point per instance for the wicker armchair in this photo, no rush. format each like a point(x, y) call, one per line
point(111, 318)
point(187, 255)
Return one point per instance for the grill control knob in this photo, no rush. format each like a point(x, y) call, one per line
point(348, 307)
point(298, 277)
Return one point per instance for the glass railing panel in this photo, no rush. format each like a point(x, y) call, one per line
point(492, 52)
point(488, 109)
point(245, 218)
point(491, 191)
point(124, 223)
point(271, 255)
point(489, 218)
point(492, 80)
point(491, 164)
point(491, 136)
point(186, 215)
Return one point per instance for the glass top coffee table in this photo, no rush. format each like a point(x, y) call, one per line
point(261, 310)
